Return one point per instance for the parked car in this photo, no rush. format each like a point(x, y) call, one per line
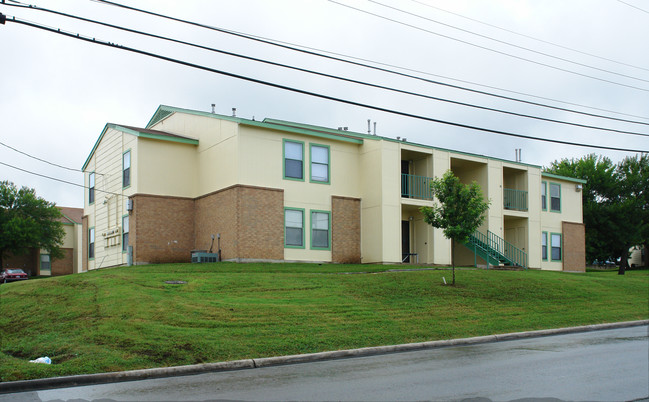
point(12, 274)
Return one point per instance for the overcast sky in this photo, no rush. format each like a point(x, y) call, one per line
point(57, 93)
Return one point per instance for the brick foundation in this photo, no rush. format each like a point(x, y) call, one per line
point(161, 229)
point(249, 219)
point(63, 266)
point(346, 230)
point(574, 247)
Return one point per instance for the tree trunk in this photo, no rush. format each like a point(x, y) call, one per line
point(453, 259)
point(624, 261)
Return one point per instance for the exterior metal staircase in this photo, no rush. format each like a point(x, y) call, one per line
point(496, 251)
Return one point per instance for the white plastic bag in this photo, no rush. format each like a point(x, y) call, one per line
point(44, 360)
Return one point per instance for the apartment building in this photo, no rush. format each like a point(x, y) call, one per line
point(275, 190)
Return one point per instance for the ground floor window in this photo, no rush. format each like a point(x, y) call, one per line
point(544, 246)
point(125, 233)
point(556, 246)
point(320, 230)
point(294, 227)
point(91, 243)
point(46, 265)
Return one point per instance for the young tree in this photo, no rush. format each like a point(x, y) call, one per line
point(28, 221)
point(460, 210)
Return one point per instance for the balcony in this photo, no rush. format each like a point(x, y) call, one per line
point(515, 200)
point(417, 187)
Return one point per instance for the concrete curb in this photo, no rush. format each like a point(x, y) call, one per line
point(134, 375)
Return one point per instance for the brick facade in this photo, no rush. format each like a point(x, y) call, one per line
point(574, 247)
point(346, 230)
point(161, 229)
point(249, 219)
point(63, 266)
point(28, 262)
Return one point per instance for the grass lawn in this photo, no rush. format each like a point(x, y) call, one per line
point(129, 318)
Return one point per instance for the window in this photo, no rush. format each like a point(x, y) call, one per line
point(320, 230)
point(556, 246)
point(555, 197)
point(126, 169)
point(320, 163)
point(293, 160)
point(91, 243)
point(544, 246)
point(91, 188)
point(544, 196)
point(125, 233)
point(294, 228)
point(46, 265)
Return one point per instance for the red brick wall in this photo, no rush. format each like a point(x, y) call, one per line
point(346, 230)
point(28, 262)
point(574, 247)
point(63, 266)
point(161, 229)
point(249, 219)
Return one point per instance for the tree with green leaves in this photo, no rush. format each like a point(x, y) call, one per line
point(615, 203)
point(460, 210)
point(27, 222)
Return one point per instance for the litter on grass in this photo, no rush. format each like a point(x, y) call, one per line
point(44, 360)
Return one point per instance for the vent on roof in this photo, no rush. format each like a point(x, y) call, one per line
point(160, 115)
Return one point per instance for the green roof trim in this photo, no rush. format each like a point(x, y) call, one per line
point(566, 178)
point(142, 133)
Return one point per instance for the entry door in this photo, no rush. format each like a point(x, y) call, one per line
point(46, 266)
point(405, 241)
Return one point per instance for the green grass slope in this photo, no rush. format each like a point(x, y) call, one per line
point(129, 318)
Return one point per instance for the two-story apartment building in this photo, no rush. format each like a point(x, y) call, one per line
point(280, 191)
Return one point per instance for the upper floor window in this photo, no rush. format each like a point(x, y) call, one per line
point(544, 196)
point(320, 163)
point(126, 169)
point(555, 197)
point(293, 160)
point(91, 188)
point(91, 243)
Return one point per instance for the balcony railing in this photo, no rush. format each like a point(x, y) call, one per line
point(413, 186)
point(515, 199)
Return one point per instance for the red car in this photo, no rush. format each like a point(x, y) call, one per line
point(12, 274)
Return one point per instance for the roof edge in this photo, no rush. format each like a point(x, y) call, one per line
point(566, 178)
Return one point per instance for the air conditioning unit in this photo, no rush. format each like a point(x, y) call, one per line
point(203, 256)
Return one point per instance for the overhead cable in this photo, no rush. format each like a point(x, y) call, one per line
point(314, 94)
point(311, 51)
point(392, 89)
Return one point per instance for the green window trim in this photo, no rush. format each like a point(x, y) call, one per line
point(91, 243)
point(319, 164)
point(91, 187)
point(286, 227)
point(544, 195)
point(552, 246)
point(126, 170)
point(125, 232)
point(558, 197)
point(544, 246)
point(285, 159)
point(313, 214)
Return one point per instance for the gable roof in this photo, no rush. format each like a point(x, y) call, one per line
point(71, 215)
point(142, 133)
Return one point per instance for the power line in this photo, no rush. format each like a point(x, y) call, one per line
point(60, 180)
point(492, 50)
point(39, 159)
point(531, 37)
point(631, 5)
point(310, 51)
point(392, 89)
point(304, 92)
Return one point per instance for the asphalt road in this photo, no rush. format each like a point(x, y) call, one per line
point(609, 365)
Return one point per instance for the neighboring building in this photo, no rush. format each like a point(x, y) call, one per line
point(638, 256)
point(38, 262)
point(274, 190)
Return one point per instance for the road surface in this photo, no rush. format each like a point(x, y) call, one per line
point(609, 365)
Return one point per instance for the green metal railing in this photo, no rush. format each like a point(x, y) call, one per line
point(515, 199)
point(496, 250)
point(413, 186)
